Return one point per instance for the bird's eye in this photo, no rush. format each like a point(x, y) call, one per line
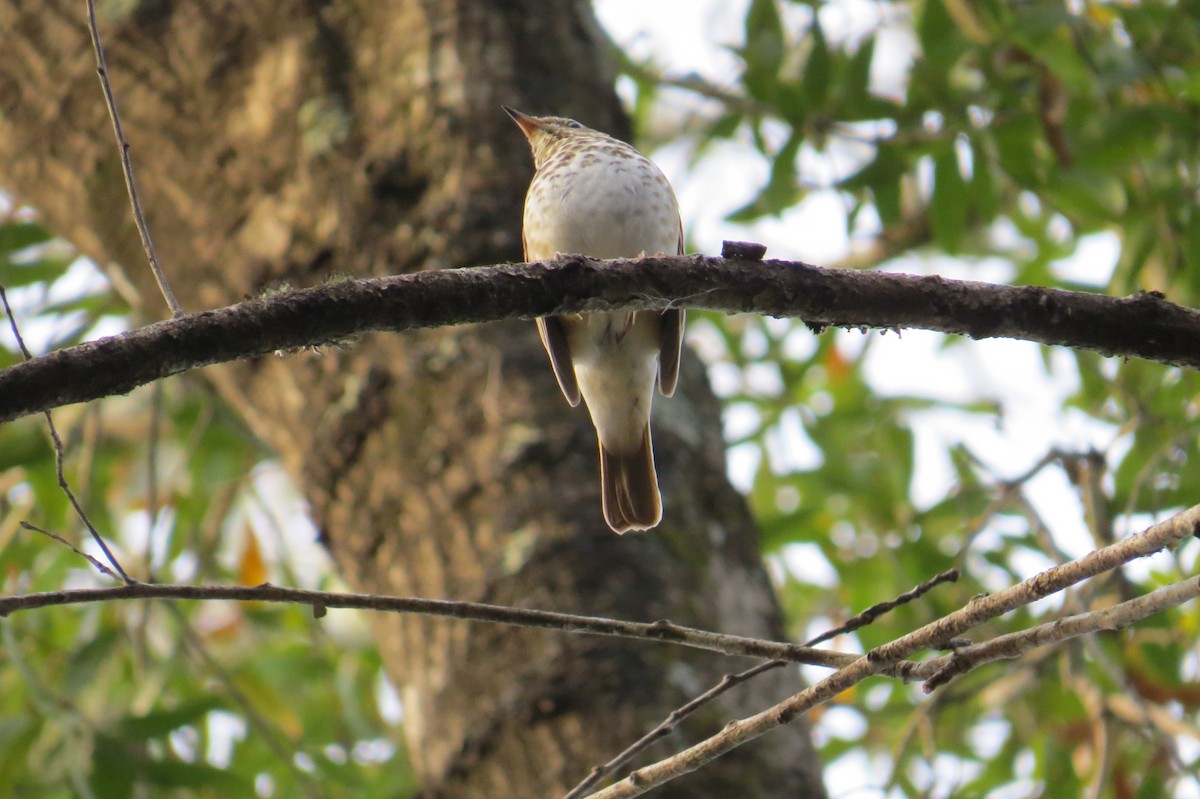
point(573, 124)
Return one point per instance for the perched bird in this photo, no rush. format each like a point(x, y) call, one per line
point(596, 196)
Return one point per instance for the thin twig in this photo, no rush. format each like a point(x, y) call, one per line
point(1013, 645)
point(1012, 491)
point(668, 724)
point(739, 732)
point(58, 452)
point(79, 511)
point(855, 669)
point(1160, 536)
point(1093, 699)
point(1142, 711)
point(663, 631)
point(1157, 537)
point(875, 611)
point(731, 680)
point(127, 167)
point(153, 506)
point(100, 566)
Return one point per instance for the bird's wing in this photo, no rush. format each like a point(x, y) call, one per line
point(670, 343)
point(554, 339)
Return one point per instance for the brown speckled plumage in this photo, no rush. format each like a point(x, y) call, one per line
point(594, 195)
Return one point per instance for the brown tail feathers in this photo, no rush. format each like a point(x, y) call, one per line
point(629, 487)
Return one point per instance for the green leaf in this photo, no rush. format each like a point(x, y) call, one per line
point(1110, 139)
point(1045, 31)
point(1088, 197)
point(1014, 137)
point(882, 177)
point(948, 207)
point(17, 236)
point(766, 46)
point(1191, 248)
point(857, 84)
point(985, 199)
point(940, 44)
point(24, 443)
point(16, 735)
point(725, 126)
point(781, 191)
point(178, 774)
point(158, 723)
point(818, 70)
point(1140, 241)
point(112, 775)
point(1153, 785)
point(42, 270)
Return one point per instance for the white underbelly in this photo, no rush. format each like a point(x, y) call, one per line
point(617, 372)
point(604, 212)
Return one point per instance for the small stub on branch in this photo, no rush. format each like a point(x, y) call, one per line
point(743, 249)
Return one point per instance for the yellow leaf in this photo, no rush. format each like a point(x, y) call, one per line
point(252, 570)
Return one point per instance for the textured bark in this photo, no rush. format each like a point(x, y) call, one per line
point(1140, 326)
point(289, 140)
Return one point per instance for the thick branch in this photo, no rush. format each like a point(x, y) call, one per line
point(1142, 326)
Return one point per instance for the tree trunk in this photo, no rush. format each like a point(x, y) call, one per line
point(288, 141)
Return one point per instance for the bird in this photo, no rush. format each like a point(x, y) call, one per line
point(597, 196)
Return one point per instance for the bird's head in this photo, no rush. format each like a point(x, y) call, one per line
point(548, 134)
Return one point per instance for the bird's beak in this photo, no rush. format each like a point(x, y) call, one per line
point(526, 123)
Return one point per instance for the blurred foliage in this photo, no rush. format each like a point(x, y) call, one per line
point(153, 699)
point(1014, 131)
point(1017, 131)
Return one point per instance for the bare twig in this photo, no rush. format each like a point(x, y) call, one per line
point(979, 610)
point(668, 724)
point(58, 455)
point(875, 611)
point(127, 167)
point(1142, 713)
point(1091, 696)
point(1012, 491)
point(153, 505)
point(739, 732)
point(99, 566)
point(1160, 536)
point(731, 680)
point(663, 631)
point(1013, 645)
point(850, 669)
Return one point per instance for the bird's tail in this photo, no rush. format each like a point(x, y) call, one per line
point(629, 487)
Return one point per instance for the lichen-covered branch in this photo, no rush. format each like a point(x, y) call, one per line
point(1142, 326)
